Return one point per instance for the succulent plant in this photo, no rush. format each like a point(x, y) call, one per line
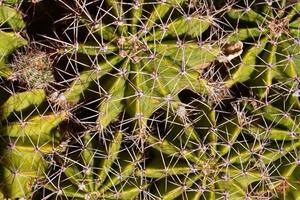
point(16, 175)
point(150, 99)
point(141, 55)
point(33, 69)
point(95, 167)
point(28, 133)
point(271, 30)
point(277, 123)
point(200, 155)
point(11, 24)
point(246, 153)
point(28, 130)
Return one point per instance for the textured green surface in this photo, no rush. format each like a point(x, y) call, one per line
point(146, 99)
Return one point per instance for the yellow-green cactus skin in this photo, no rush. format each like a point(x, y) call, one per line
point(150, 99)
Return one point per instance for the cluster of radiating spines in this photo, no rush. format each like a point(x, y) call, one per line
point(33, 69)
point(270, 32)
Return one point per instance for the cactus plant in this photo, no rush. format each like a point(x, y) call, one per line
point(277, 122)
point(11, 25)
point(151, 99)
point(96, 167)
point(206, 154)
point(199, 155)
point(26, 136)
point(146, 58)
point(271, 29)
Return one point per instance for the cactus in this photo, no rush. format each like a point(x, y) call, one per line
point(272, 32)
point(96, 167)
point(26, 137)
point(209, 154)
point(144, 61)
point(33, 69)
point(201, 155)
point(150, 99)
point(277, 122)
point(11, 25)
point(28, 131)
